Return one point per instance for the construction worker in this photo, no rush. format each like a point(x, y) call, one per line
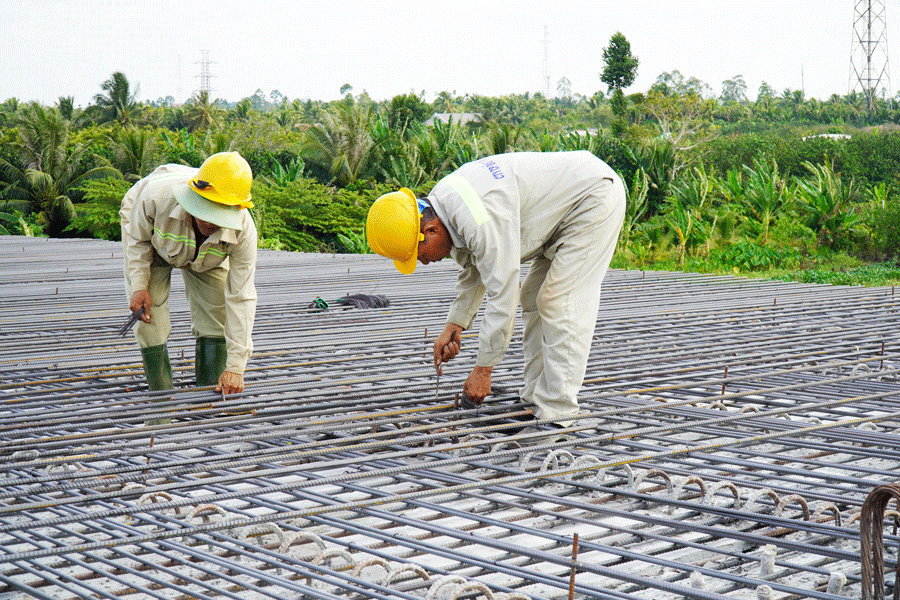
point(560, 210)
point(195, 220)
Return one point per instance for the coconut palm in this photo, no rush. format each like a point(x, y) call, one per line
point(201, 114)
point(66, 107)
point(241, 110)
point(503, 138)
point(135, 152)
point(48, 172)
point(342, 143)
point(7, 109)
point(446, 102)
point(119, 102)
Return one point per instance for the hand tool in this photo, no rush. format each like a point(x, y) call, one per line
point(439, 367)
point(134, 318)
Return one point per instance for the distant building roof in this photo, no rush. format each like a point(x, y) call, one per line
point(459, 118)
point(833, 136)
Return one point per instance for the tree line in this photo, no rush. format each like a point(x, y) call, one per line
point(713, 182)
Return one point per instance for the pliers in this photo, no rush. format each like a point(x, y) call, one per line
point(134, 318)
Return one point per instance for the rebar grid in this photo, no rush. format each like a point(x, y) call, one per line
point(731, 430)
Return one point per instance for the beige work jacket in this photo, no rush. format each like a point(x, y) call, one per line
point(153, 223)
point(501, 211)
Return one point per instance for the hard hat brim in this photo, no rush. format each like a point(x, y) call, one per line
point(222, 198)
point(408, 266)
point(227, 217)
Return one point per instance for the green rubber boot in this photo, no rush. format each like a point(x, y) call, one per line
point(209, 361)
point(158, 371)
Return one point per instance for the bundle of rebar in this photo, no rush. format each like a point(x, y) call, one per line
point(730, 432)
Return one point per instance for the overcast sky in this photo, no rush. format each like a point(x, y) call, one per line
point(309, 49)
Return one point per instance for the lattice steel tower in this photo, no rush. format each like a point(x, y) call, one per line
point(869, 55)
point(204, 75)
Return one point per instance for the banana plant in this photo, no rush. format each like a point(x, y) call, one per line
point(827, 203)
point(694, 190)
point(635, 207)
point(767, 192)
point(878, 194)
point(681, 221)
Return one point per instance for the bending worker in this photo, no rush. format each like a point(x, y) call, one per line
point(195, 220)
point(562, 211)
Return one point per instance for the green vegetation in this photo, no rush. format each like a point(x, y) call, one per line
point(781, 187)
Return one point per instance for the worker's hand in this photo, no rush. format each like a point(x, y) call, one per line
point(141, 298)
point(444, 348)
point(478, 384)
point(230, 383)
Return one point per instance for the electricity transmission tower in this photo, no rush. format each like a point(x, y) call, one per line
point(204, 75)
point(868, 55)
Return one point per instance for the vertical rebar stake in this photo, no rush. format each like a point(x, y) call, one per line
point(723, 383)
point(152, 439)
point(572, 573)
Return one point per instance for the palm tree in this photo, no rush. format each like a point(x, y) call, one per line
point(7, 109)
point(503, 138)
point(342, 144)
point(135, 152)
point(48, 172)
point(445, 102)
point(241, 110)
point(201, 114)
point(119, 103)
point(66, 107)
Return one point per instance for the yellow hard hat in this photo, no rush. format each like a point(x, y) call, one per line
point(225, 178)
point(393, 229)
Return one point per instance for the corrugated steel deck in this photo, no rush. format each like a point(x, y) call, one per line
point(732, 430)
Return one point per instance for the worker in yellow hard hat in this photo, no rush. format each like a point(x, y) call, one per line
point(195, 220)
point(560, 211)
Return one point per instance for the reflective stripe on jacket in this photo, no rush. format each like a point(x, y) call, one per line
point(154, 223)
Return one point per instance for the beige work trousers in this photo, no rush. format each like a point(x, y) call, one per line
point(205, 295)
point(560, 300)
